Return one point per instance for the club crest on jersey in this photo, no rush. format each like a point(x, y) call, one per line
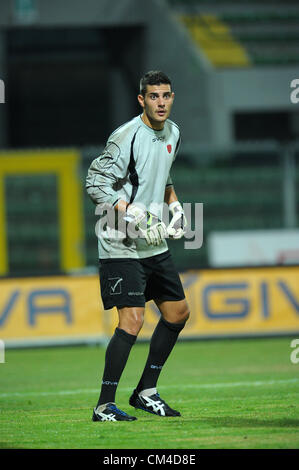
point(169, 148)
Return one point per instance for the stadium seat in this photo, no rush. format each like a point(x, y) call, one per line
point(232, 33)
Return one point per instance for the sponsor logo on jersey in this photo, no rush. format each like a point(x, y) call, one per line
point(169, 148)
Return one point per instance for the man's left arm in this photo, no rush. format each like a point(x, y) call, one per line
point(170, 195)
point(178, 224)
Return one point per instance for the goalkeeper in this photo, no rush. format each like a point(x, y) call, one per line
point(132, 177)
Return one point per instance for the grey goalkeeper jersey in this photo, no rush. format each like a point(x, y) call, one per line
point(134, 167)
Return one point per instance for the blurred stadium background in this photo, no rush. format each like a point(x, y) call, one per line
point(71, 71)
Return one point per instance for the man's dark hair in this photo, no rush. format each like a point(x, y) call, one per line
point(153, 77)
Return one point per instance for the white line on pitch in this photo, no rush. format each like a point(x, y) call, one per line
point(127, 389)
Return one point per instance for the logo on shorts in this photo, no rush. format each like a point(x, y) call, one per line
point(115, 285)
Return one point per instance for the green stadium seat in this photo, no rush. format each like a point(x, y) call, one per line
point(267, 31)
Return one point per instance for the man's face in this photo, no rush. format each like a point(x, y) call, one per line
point(156, 105)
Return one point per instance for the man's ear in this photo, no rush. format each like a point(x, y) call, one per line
point(141, 100)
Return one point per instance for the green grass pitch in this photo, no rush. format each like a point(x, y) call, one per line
point(232, 394)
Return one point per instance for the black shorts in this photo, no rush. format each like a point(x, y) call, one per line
point(129, 282)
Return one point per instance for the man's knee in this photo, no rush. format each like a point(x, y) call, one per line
point(179, 312)
point(184, 314)
point(131, 319)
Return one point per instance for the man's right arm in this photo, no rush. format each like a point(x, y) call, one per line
point(104, 173)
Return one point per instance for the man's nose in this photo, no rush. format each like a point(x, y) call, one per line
point(161, 101)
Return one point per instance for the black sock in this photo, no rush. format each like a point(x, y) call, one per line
point(116, 357)
point(162, 343)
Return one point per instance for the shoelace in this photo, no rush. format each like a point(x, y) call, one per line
point(117, 410)
point(157, 395)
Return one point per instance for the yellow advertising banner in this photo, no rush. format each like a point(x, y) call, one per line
point(52, 309)
point(223, 302)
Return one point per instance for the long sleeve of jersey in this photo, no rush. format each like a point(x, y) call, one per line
point(105, 173)
point(169, 181)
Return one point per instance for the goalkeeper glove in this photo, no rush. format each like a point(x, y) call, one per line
point(148, 225)
point(178, 224)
